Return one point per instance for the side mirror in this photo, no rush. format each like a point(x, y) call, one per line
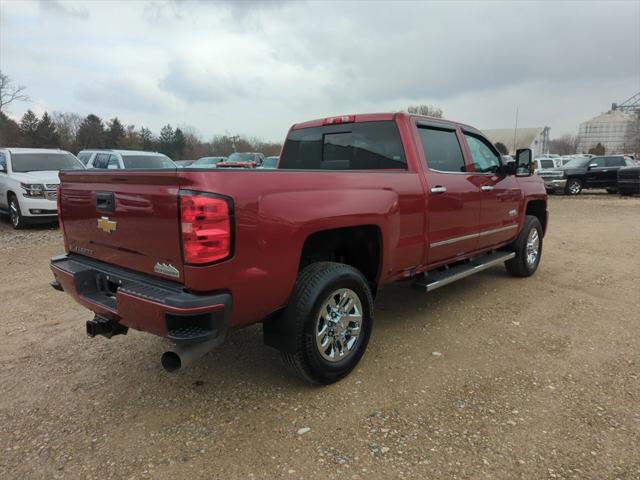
point(592, 165)
point(3, 169)
point(524, 161)
point(508, 167)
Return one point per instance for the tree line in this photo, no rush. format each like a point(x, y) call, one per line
point(69, 131)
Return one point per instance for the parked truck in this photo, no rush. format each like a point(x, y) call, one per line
point(355, 202)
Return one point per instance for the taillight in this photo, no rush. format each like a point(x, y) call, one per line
point(340, 119)
point(205, 223)
point(60, 224)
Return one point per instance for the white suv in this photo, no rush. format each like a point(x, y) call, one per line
point(29, 182)
point(119, 159)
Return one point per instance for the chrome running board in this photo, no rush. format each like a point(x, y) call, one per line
point(439, 278)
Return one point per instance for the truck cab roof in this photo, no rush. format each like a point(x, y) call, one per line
point(375, 117)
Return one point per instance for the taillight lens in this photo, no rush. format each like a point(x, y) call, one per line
point(206, 228)
point(60, 223)
point(340, 119)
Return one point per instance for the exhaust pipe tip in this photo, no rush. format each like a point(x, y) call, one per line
point(171, 361)
point(182, 355)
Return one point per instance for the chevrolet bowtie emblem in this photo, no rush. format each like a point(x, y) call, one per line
point(106, 225)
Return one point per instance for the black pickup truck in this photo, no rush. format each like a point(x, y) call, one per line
point(629, 180)
point(584, 172)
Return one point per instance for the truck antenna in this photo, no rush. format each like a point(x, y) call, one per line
point(515, 132)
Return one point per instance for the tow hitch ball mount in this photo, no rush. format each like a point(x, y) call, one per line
point(104, 326)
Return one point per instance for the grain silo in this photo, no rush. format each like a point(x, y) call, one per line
point(616, 130)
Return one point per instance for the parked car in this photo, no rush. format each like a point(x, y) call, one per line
point(183, 163)
point(242, 160)
point(585, 172)
point(125, 159)
point(629, 180)
point(270, 162)
point(545, 163)
point(29, 183)
point(357, 202)
point(207, 162)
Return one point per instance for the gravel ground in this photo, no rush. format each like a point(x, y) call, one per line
point(492, 377)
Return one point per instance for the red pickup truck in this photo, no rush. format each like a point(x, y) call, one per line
point(356, 202)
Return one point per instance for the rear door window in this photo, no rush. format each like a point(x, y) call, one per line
point(442, 149)
point(615, 162)
point(349, 146)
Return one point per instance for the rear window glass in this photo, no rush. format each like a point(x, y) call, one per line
point(546, 164)
point(147, 161)
point(349, 146)
point(35, 162)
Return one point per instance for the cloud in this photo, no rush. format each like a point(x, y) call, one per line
point(257, 67)
point(57, 7)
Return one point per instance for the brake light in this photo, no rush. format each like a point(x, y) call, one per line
point(60, 223)
point(206, 228)
point(340, 119)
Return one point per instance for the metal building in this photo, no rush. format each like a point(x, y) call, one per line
point(536, 138)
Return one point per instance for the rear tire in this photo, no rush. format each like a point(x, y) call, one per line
point(528, 248)
point(573, 187)
point(15, 214)
point(323, 330)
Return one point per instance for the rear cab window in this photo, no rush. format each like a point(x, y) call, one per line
point(547, 164)
point(147, 161)
point(347, 146)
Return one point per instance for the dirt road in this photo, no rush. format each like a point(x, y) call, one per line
point(492, 377)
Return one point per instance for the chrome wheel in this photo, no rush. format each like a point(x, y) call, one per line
point(533, 247)
point(338, 325)
point(14, 213)
point(575, 187)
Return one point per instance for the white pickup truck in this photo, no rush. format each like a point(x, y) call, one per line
point(29, 183)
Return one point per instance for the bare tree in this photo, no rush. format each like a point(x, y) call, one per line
point(565, 145)
point(67, 124)
point(10, 93)
point(424, 109)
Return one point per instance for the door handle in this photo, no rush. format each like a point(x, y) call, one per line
point(438, 189)
point(486, 188)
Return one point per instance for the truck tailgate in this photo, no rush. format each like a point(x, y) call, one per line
point(127, 218)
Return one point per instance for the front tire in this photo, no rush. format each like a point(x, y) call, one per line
point(528, 248)
point(15, 214)
point(332, 312)
point(573, 187)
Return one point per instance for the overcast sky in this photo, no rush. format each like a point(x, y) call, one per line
point(257, 67)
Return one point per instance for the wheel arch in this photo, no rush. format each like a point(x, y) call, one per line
point(538, 209)
point(360, 246)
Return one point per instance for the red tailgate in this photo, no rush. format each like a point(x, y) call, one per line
point(129, 219)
